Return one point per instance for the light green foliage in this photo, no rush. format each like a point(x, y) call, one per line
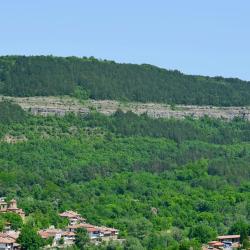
point(29, 239)
point(14, 219)
point(80, 93)
point(133, 244)
point(203, 233)
point(168, 184)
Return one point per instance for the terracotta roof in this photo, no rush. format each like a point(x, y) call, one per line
point(47, 233)
point(108, 229)
point(69, 214)
point(5, 239)
point(222, 237)
point(81, 225)
point(212, 242)
point(88, 227)
point(218, 244)
point(13, 234)
point(92, 229)
point(68, 234)
point(13, 209)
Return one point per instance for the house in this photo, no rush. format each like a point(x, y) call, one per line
point(73, 217)
point(224, 241)
point(69, 238)
point(93, 231)
point(215, 244)
point(96, 233)
point(232, 241)
point(57, 235)
point(54, 234)
point(108, 233)
point(11, 206)
point(231, 238)
point(8, 242)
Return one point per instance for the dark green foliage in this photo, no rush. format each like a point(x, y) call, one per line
point(82, 238)
point(11, 112)
point(47, 75)
point(14, 219)
point(203, 233)
point(242, 228)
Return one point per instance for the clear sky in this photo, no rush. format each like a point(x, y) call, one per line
point(207, 37)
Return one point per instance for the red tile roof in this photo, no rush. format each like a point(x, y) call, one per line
point(5, 239)
point(222, 237)
point(13, 234)
point(47, 233)
point(81, 225)
point(69, 214)
point(218, 244)
point(92, 229)
point(68, 234)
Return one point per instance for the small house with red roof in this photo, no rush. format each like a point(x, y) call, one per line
point(73, 217)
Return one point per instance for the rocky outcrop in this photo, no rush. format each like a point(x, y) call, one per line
point(62, 105)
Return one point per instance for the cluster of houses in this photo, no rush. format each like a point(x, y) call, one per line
point(60, 237)
point(224, 242)
point(8, 238)
point(97, 234)
point(67, 236)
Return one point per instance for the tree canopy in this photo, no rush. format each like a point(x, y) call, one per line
point(102, 79)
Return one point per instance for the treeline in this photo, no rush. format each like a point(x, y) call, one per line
point(205, 129)
point(98, 79)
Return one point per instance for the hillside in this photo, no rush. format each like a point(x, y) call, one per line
point(164, 183)
point(161, 156)
point(89, 77)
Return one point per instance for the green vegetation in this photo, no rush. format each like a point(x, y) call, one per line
point(10, 113)
point(83, 77)
point(82, 238)
point(14, 220)
point(29, 239)
point(164, 183)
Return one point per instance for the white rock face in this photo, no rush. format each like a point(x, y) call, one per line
point(62, 105)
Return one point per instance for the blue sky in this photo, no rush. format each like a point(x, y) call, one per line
point(210, 37)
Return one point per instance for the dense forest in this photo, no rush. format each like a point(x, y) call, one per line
point(102, 79)
point(164, 183)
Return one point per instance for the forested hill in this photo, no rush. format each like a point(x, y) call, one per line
point(48, 75)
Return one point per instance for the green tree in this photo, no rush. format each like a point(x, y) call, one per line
point(242, 228)
point(202, 232)
point(132, 243)
point(29, 239)
point(245, 244)
point(14, 219)
point(82, 238)
point(80, 93)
